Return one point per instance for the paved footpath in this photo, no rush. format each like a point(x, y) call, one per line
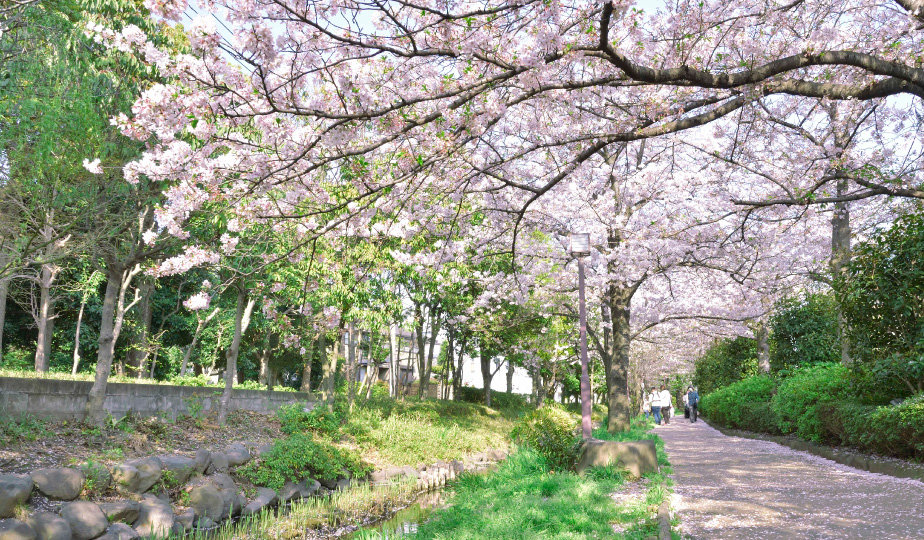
point(733, 488)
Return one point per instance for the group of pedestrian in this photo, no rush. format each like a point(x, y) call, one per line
point(660, 405)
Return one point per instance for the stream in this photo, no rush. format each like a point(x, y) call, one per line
point(403, 521)
point(406, 520)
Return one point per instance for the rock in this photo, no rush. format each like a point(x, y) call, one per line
point(177, 469)
point(149, 473)
point(343, 484)
point(264, 449)
point(330, 483)
point(125, 478)
point(63, 484)
point(98, 477)
point(202, 460)
point(120, 511)
point(237, 455)
point(409, 471)
point(218, 463)
point(13, 529)
point(457, 467)
point(265, 498)
point(48, 526)
point(233, 500)
point(292, 491)
point(14, 491)
point(186, 519)
point(85, 518)
point(155, 519)
point(119, 531)
point(496, 455)
point(638, 457)
point(206, 501)
point(205, 523)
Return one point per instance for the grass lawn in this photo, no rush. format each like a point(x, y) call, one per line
point(412, 432)
point(524, 500)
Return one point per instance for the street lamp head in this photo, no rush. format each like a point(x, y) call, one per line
point(580, 244)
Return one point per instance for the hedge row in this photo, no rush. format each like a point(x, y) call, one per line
point(815, 404)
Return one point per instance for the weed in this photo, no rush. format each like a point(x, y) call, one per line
point(302, 455)
point(97, 477)
point(26, 428)
point(194, 406)
point(115, 453)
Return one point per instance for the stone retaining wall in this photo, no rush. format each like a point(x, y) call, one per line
point(65, 400)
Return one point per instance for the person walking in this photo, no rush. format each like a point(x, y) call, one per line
point(656, 406)
point(664, 397)
point(693, 401)
point(646, 404)
point(686, 406)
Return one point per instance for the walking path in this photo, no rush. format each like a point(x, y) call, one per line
point(733, 488)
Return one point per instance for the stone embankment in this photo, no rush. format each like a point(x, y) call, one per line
point(162, 496)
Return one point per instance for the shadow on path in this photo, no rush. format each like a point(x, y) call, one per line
point(733, 488)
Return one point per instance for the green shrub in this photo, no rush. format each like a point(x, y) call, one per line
point(798, 397)
point(301, 455)
point(726, 362)
point(742, 405)
point(552, 432)
point(499, 400)
point(804, 332)
point(297, 418)
point(892, 430)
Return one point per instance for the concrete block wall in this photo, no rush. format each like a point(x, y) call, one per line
point(65, 400)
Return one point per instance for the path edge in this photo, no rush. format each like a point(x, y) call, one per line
point(664, 518)
point(893, 467)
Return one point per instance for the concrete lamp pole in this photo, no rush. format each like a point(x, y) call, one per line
point(580, 248)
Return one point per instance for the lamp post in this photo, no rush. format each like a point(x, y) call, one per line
point(580, 248)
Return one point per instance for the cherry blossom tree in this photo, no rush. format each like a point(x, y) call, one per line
point(514, 123)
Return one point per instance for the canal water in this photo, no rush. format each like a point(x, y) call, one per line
point(403, 521)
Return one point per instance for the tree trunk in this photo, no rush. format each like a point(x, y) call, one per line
point(486, 375)
point(140, 350)
point(509, 377)
point(421, 351)
point(306, 369)
point(94, 413)
point(840, 256)
point(328, 369)
point(540, 387)
point(44, 317)
point(762, 333)
point(4, 292)
point(457, 376)
point(435, 326)
point(75, 367)
point(265, 375)
point(351, 367)
point(619, 409)
point(241, 322)
point(393, 375)
point(192, 346)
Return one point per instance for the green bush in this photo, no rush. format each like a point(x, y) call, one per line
point(743, 405)
point(297, 418)
point(804, 331)
point(301, 455)
point(499, 400)
point(892, 430)
point(726, 362)
point(552, 432)
point(798, 398)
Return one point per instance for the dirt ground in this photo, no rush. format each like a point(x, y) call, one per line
point(733, 488)
point(56, 444)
